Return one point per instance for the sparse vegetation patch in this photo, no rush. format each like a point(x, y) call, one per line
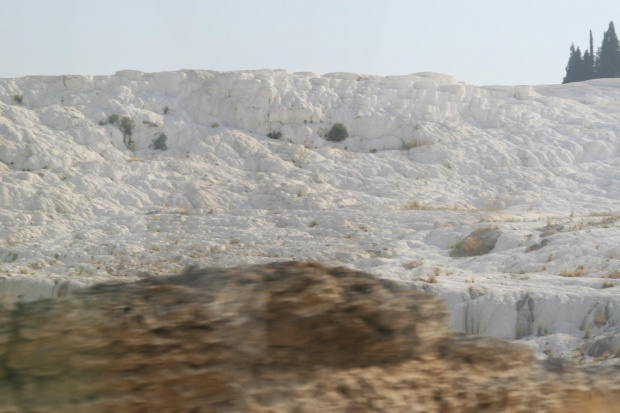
point(110, 120)
point(159, 143)
point(337, 133)
point(113, 118)
point(415, 144)
point(127, 126)
point(419, 206)
point(608, 284)
point(579, 272)
point(275, 134)
point(600, 319)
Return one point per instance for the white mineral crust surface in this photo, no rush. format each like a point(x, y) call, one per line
point(428, 160)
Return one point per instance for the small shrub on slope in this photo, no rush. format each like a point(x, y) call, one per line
point(18, 99)
point(127, 126)
point(337, 133)
point(608, 284)
point(111, 119)
point(160, 142)
point(276, 134)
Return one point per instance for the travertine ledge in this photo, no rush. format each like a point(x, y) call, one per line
point(283, 337)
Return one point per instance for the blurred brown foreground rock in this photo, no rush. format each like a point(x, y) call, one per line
point(285, 337)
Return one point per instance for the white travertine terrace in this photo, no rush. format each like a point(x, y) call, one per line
point(542, 163)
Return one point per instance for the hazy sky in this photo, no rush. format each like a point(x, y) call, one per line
point(477, 41)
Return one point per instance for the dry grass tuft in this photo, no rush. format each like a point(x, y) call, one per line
point(608, 284)
point(579, 272)
point(418, 206)
point(413, 264)
point(415, 144)
point(613, 275)
point(600, 319)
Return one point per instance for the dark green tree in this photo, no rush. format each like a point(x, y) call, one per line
point(575, 69)
point(588, 66)
point(337, 133)
point(608, 56)
point(589, 61)
point(127, 126)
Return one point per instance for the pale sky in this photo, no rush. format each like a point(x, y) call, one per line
point(480, 42)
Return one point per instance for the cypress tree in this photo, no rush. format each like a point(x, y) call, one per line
point(588, 66)
point(608, 59)
point(589, 60)
point(575, 69)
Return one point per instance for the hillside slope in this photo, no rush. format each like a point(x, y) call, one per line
point(429, 160)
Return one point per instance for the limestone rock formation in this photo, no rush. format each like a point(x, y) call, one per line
point(479, 242)
point(284, 337)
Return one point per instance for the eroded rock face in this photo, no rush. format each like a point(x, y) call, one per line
point(282, 337)
point(479, 242)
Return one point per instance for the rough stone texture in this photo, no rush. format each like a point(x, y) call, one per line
point(285, 337)
point(479, 242)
